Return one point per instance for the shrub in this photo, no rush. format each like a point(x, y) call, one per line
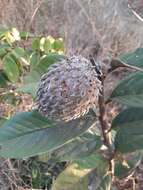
point(79, 140)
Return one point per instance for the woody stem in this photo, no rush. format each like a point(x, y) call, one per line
point(104, 127)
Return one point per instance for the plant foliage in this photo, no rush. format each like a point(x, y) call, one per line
point(79, 142)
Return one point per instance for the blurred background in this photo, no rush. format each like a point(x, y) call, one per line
point(101, 28)
point(116, 25)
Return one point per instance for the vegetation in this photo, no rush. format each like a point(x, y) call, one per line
point(84, 148)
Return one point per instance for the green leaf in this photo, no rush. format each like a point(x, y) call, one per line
point(81, 147)
point(3, 50)
point(34, 60)
point(3, 79)
point(20, 55)
point(47, 45)
point(72, 178)
point(46, 61)
point(75, 178)
point(11, 36)
point(129, 137)
point(58, 45)
point(2, 121)
point(130, 117)
point(10, 68)
point(131, 141)
point(93, 161)
point(129, 91)
point(32, 79)
point(96, 161)
point(36, 44)
point(133, 58)
point(25, 35)
point(28, 134)
point(42, 67)
point(19, 52)
point(42, 42)
point(30, 88)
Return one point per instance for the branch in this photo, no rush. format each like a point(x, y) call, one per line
point(104, 126)
point(104, 129)
point(90, 20)
point(135, 13)
point(34, 13)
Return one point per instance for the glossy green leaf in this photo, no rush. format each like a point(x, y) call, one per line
point(129, 137)
point(129, 91)
point(81, 147)
point(28, 134)
point(10, 67)
point(134, 58)
point(130, 117)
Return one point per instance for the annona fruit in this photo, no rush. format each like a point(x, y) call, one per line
point(69, 89)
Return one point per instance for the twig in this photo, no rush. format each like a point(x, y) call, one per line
point(90, 20)
point(135, 13)
point(104, 128)
point(102, 121)
point(34, 14)
point(84, 11)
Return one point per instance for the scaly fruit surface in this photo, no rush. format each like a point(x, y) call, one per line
point(69, 89)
